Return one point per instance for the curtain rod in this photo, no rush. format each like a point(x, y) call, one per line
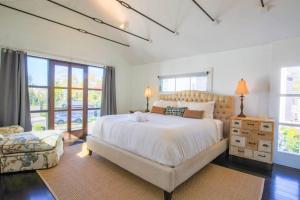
point(126, 5)
point(98, 20)
point(47, 55)
point(65, 25)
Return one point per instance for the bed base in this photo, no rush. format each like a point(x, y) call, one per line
point(164, 177)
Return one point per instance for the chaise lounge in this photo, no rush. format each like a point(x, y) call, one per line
point(21, 151)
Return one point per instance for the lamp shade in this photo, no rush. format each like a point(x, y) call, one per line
point(241, 88)
point(147, 92)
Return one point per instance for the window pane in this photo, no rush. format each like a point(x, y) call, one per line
point(94, 99)
point(183, 83)
point(77, 78)
point(61, 99)
point(168, 85)
point(95, 78)
point(290, 80)
point(199, 83)
point(289, 139)
point(77, 99)
point(92, 117)
point(290, 109)
point(60, 120)
point(39, 121)
point(61, 76)
point(76, 123)
point(38, 98)
point(37, 71)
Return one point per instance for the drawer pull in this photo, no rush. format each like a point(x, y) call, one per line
point(263, 156)
point(241, 151)
point(245, 133)
point(266, 126)
point(252, 143)
point(237, 141)
point(261, 134)
point(265, 145)
point(236, 123)
point(235, 131)
point(250, 124)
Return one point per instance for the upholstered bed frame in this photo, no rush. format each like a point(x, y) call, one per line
point(165, 177)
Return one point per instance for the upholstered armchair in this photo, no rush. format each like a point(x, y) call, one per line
point(11, 129)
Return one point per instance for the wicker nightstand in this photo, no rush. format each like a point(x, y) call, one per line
point(252, 138)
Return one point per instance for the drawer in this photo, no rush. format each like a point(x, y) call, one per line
point(236, 123)
point(245, 132)
point(252, 143)
point(266, 126)
point(250, 125)
point(238, 141)
point(248, 153)
point(264, 135)
point(235, 131)
point(265, 146)
point(262, 156)
point(237, 151)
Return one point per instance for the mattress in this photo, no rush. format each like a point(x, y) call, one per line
point(168, 140)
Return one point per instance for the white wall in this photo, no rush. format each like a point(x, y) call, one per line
point(229, 67)
point(259, 65)
point(49, 40)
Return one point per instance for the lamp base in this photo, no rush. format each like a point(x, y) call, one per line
point(242, 115)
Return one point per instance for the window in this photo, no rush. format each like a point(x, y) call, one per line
point(289, 128)
point(38, 92)
point(64, 96)
point(197, 81)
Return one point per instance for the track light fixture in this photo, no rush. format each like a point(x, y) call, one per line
point(126, 5)
point(98, 20)
point(65, 25)
point(262, 3)
point(203, 10)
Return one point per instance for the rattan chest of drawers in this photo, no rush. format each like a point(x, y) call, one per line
point(252, 138)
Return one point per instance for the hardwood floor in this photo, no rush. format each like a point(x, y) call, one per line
point(282, 183)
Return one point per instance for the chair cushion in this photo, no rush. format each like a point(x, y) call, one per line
point(11, 129)
point(29, 142)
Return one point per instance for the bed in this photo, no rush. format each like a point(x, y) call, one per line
point(158, 151)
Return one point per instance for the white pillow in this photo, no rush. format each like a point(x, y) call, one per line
point(207, 107)
point(164, 104)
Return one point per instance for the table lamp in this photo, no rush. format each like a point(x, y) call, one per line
point(147, 95)
point(242, 90)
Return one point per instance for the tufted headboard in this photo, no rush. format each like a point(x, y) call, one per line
point(223, 104)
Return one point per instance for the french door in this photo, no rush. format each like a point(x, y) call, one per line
point(68, 97)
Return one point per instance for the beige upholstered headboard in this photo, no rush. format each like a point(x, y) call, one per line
point(223, 104)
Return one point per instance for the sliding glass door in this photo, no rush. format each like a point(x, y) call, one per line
point(64, 96)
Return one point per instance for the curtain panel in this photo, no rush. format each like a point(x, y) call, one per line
point(108, 103)
point(14, 101)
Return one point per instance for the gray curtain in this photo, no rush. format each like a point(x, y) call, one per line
point(108, 103)
point(14, 101)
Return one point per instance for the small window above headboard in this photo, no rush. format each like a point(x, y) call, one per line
point(200, 81)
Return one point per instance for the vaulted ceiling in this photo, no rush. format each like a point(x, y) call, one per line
point(242, 23)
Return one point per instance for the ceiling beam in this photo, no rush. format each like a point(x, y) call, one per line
point(64, 25)
point(203, 10)
point(98, 20)
point(126, 5)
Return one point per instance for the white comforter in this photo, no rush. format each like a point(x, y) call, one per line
point(168, 140)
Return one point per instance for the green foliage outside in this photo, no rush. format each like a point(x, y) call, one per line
point(289, 139)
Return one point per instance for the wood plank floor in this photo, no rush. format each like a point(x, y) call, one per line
point(282, 183)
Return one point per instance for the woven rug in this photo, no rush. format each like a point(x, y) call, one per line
point(79, 176)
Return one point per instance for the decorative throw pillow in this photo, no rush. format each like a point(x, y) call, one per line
point(207, 107)
point(176, 111)
point(195, 114)
point(158, 110)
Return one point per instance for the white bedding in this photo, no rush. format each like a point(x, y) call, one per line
point(168, 140)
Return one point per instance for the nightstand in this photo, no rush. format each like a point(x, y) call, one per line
point(133, 111)
point(252, 138)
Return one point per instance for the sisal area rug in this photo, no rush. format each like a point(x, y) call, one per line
point(79, 176)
